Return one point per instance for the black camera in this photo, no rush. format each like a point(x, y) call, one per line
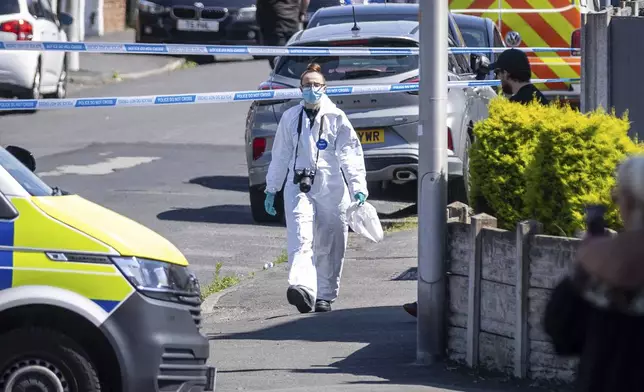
point(305, 178)
point(595, 222)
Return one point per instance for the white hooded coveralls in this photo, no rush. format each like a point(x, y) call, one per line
point(316, 221)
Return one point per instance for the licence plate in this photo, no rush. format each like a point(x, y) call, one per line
point(371, 136)
point(198, 25)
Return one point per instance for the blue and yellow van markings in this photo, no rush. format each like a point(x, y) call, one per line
point(107, 305)
point(6, 257)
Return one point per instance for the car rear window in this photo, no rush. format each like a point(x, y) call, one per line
point(315, 5)
point(363, 18)
point(9, 7)
point(337, 68)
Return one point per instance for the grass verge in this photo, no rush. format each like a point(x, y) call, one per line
point(189, 64)
point(401, 225)
point(219, 283)
point(282, 258)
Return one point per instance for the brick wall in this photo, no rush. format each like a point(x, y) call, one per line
point(114, 15)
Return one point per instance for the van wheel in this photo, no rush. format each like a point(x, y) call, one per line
point(44, 360)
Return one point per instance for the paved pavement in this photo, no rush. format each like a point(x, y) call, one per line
point(96, 68)
point(367, 343)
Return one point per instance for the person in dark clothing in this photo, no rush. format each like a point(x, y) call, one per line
point(279, 20)
point(513, 69)
point(596, 313)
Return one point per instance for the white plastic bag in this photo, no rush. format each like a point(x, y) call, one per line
point(363, 219)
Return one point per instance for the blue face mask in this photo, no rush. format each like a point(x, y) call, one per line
point(312, 95)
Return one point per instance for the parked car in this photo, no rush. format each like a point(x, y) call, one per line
point(31, 74)
point(225, 22)
point(480, 33)
point(386, 123)
point(315, 5)
point(376, 13)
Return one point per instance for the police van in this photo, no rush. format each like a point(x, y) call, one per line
point(89, 299)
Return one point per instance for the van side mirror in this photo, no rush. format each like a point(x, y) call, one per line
point(480, 65)
point(65, 19)
point(24, 156)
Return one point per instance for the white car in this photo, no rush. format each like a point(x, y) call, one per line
point(31, 74)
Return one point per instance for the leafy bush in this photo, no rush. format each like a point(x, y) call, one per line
point(501, 151)
point(546, 163)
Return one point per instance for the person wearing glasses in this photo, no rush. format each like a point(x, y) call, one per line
point(319, 154)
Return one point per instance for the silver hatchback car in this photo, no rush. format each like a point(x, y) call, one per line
point(386, 123)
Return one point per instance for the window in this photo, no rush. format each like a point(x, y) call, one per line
point(474, 38)
point(35, 8)
point(462, 60)
point(337, 68)
point(9, 7)
point(452, 65)
point(338, 19)
point(28, 180)
point(315, 5)
point(47, 10)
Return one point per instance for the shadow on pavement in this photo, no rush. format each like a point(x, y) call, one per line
point(17, 112)
point(226, 183)
point(390, 335)
point(224, 214)
point(230, 214)
point(401, 193)
point(406, 212)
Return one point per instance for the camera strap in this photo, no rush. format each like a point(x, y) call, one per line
point(299, 134)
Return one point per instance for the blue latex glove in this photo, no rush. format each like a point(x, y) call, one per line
point(269, 203)
point(361, 198)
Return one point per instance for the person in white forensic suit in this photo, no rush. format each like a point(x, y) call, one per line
point(320, 152)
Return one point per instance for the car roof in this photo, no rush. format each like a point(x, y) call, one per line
point(470, 20)
point(368, 9)
point(342, 31)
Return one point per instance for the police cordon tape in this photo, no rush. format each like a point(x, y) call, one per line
point(212, 50)
point(228, 97)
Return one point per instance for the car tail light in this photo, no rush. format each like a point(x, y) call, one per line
point(21, 28)
point(450, 141)
point(575, 42)
point(273, 86)
point(259, 146)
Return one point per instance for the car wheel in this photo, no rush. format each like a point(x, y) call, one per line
point(45, 360)
point(34, 93)
point(459, 189)
point(61, 86)
point(257, 197)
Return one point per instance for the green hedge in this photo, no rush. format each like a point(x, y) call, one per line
point(546, 163)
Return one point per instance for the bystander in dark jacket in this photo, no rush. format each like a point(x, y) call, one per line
point(279, 20)
point(596, 313)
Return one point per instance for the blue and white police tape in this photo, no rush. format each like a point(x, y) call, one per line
point(228, 97)
point(211, 50)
